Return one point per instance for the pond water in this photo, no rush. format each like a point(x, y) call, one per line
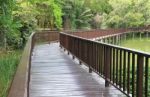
point(142, 44)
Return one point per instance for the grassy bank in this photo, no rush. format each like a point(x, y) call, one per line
point(8, 65)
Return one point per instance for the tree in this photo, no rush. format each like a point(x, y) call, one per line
point(68, 13)
point(49, 13)
point(6, 20)
point(76, 14)
point(128, 13)
point(98, 8)
point(12, 19)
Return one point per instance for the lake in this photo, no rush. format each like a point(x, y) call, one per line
point(142, 44)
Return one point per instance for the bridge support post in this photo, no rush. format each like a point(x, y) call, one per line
point(140, 67)
point(60, 46)
point(107, 59)
point(147, 34)
point(124, 36)
point(102, 40)
point(64, 49)
point(90, 70)
point(109, 40)
point(133, 36)
point(113, 39)
point(140, 35)
point(73, 57)
point(119, 39)
point(68, 53)
point(80, 62)
point(116, 40)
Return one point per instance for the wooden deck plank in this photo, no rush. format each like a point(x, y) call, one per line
point(54, 74)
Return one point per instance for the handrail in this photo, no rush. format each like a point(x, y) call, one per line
point(46, 36)
point(115, 46)
point(126, 69)
point(20, 84)
point(96, 33)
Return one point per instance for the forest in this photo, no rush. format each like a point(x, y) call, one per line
point(19, 18)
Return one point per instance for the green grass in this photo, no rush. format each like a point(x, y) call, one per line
point(8, 65)
point(142, 44)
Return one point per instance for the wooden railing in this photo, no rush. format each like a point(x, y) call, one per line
point(96, 33)
point(46, 36)
point(20, 83)
point(124, 68)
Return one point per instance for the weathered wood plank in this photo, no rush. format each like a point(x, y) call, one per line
point(54, 74)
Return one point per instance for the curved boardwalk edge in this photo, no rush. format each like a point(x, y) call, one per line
point(19, 84)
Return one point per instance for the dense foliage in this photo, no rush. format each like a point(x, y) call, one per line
point(18, 18)
point(15, 23)
point(128, 13)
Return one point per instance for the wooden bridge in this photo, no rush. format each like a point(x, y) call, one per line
point(61, 64)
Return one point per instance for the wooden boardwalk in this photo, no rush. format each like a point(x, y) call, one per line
point(55, 74)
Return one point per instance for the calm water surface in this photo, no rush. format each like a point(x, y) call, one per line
point(142, 44)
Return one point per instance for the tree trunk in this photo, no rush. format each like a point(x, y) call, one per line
point(67, 23)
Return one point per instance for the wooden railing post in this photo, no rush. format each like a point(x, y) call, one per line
point(80, 63)
point(140, 64)
point(90, 57)
point(107, 52)
point(113, 63)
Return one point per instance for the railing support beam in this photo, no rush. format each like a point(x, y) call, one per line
point(80, 62)
point(68, 53)
point(139, 88)
point(90, 70)
point(107, 56)
point(73, 57)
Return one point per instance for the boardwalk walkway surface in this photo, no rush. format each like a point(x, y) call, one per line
point(55, 74)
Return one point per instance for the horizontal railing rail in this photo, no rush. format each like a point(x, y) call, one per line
point(46, 36)
point(96, 33)
point(20, 84)
point(124, 68)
